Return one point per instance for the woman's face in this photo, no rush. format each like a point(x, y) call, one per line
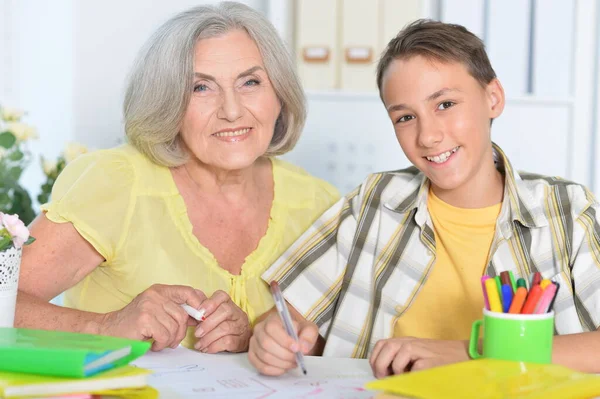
point(230, 119)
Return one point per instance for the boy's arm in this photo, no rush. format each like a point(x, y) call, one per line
point(578, 351)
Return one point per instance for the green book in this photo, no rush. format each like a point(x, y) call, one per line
point(64, 354)
point(28, 385)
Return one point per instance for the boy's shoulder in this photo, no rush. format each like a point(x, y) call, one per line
point(540, 189)
point(533, 181)
point(391, 187)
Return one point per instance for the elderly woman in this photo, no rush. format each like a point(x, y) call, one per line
point(195, 208)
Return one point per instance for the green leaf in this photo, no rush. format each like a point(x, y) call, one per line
point(21, 205)
point(7, 139)
point(5, 242)
point(30, 240)
point(16, 156)
point(43, 198)
point(14, 173)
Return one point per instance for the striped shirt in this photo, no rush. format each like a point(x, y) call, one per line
point(359, 267)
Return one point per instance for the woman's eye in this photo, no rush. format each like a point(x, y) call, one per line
point(445, 105)
point(200, 87)
point(405, 118)
point(252, 82)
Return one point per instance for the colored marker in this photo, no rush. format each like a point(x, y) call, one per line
point(513, 284)
point(555, 295)
point(195, 313)
point(499, 288)
point(532, 299)
point(521, 283)
point(505, 278)
point(544, 303)
point(507, 297)
point(518, 300)
point(485, 297)
point(544, 283)
point(537, 278)
point(493, 296)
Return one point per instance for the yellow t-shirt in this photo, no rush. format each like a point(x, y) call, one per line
point(452, 299)
point(131, 212)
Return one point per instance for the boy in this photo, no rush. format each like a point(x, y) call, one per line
point(402, 255)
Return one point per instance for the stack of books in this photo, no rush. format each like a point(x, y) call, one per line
point(57, 364)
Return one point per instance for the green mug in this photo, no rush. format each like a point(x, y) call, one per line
point(517, 337)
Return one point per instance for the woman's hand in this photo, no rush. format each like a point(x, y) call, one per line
point(399, 355)
point(225, 326)
point(272, 351)
point(155, 314)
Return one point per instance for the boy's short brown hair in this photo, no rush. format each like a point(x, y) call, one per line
point(441, 42)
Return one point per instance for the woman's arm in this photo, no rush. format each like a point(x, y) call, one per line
point(59, 259)
point(56, 261)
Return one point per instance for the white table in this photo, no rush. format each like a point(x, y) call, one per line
point(182, 373)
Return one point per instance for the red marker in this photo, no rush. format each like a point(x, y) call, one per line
point(537, 279)
point(532, 299)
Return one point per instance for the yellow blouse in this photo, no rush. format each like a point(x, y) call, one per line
point(130, 211)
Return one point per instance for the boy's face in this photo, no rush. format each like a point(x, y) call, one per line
point(441, 116)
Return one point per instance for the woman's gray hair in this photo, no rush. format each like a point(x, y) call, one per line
point(160, 83)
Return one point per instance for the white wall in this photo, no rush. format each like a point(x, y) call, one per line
point(39, 63)
point(68, 60)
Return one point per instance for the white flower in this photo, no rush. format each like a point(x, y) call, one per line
point(73, 150)
point(11, 114)
point(22, 131)
point(48, 166)
point(16, 228)
point(2, 152)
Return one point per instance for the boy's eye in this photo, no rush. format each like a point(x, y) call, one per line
point(445, 105)
point(405, 118)
point(200, 87)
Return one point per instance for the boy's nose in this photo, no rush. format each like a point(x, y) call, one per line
point(430, 135)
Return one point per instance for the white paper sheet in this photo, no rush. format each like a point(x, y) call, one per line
point(182, 373)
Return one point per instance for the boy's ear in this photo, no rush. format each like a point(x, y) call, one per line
point(495, 95)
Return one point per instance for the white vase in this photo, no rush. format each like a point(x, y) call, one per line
point(10, 263)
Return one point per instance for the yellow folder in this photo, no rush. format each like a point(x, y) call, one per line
point(492, 379)
point(23, 385)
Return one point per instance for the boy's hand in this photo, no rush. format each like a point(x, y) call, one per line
point(399, 355)
point(272, 350)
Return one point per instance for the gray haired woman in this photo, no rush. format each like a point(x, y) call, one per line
point(194, 208)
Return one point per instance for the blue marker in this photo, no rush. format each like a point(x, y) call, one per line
point(507, 297)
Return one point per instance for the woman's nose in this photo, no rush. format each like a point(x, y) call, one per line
point(231, 108)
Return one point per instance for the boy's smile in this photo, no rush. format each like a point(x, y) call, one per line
point(442, 157)
point(441, 116)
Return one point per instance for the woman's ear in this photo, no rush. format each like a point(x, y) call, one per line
point(496, 99)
